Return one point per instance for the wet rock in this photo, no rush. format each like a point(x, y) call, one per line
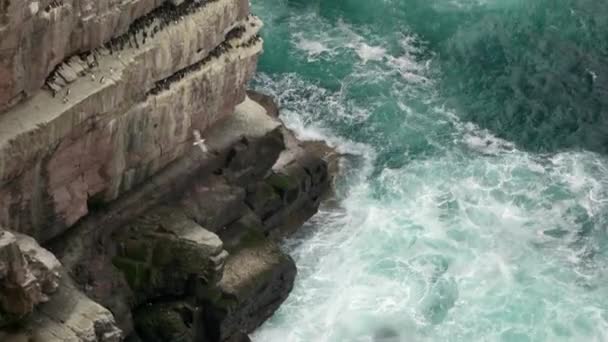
point(190, 184)
point(264, 199)
point(163, 250)
point(238, 233)
point(258, 277)
point(239, 337)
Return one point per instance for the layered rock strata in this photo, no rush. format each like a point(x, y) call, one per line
point(119, 221)
point(124, 119)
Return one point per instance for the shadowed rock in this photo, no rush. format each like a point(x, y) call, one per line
point(163, 250)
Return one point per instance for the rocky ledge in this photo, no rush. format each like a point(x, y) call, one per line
point(143, 192)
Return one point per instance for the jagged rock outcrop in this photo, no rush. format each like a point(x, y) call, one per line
point(32, 278)
point(256, 201)
point(156, 234)
point(29, 274)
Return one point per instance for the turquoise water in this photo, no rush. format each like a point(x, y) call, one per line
point(473, 198)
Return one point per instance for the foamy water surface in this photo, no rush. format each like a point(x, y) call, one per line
point(444, 231)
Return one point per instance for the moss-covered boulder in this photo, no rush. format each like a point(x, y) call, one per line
point(163, 250)
point(264, 199)
point(166, 322)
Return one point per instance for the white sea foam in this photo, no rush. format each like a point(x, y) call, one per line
point(313, 48)
point(477, 241)
point(370, 53)
point(457, 235)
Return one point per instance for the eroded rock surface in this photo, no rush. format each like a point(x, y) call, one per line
point(71, 316)
point(40, 34)
point(207, 263)
point(39, 301)
point(163, 250)
point(257, 279)
point(124, 120)
point(29, 274)
point(130, 150)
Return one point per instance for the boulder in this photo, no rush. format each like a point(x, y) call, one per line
point(259, 142)
point(29, 274)
point(164, 250)
point(167, 322)
point(263, 199)
point(72, 316)
point(258, 277)
point(237, 234)
point(69, 316)
point(213, 203)
point(239, 337)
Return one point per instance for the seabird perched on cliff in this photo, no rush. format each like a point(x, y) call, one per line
point(198, 141)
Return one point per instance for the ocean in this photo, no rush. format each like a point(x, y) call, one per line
point(472, 198)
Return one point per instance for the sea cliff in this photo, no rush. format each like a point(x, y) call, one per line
point(144, 191)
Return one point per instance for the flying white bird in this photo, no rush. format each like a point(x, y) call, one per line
point(198, 141)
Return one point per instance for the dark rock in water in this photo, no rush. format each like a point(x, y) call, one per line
point(193, 254)
point(386, 334)
point(257, 279)
point(148, 238)
point(239, 337)
point(246, 204)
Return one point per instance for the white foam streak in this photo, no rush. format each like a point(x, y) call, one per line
point(370, 53)
point(481, 241)
point(315, 47)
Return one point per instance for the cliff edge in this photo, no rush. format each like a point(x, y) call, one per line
point(143, 191)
